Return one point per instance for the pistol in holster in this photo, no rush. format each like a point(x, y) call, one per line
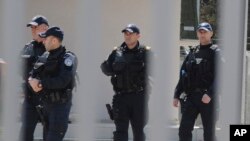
point(40, 112)
point(110, 111)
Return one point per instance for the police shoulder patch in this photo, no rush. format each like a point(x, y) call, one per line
point(115, 48)
point(68, 62)
point(69, 59)
point(215, 47)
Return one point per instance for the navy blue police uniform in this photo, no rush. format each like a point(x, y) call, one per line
point(29, 55)
point(197, 77)
point(57, 80)
point(129, 77)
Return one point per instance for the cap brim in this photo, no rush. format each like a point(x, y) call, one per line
point(32, 23)
point(127, 29)
point(203, 28)
point(42, 35)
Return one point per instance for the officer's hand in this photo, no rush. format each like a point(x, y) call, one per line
point(176, 102)
point(35, 84)
point(206, 99)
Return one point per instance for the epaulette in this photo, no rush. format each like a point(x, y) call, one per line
point(194, 47)
point(215, 47)
point(29, 44)
point(115, 48)
point(143, 47)
point(147, 47)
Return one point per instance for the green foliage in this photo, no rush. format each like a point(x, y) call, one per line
point(208, 13)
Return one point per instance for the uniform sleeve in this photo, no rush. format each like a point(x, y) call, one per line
point(218, 59)
point(179, 87)
point(149, 59)
point(210, 90)
point(106, 66)
point(27, 60)
point(63, 79)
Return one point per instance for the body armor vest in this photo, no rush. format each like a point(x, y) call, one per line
point(199, 70)
point(129, 68)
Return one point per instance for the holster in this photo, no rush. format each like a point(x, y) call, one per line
point(40, 112)
point(110, 111)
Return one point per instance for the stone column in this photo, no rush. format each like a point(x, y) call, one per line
point(166, 25)
point(87, 39)
point(12, 30)
point(232, 27)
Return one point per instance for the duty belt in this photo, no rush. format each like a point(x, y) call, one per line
point(197, 90)
point(59, 96)
point(130, 91)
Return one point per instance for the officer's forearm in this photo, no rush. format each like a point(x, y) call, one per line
point(210, 92)
point(59, 82)
point(178, 89)
point(106, 69)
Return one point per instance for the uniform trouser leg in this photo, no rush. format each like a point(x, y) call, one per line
point(121, 133)
point(58, 116)
point(139, 117)
point(208, 121)
point(189, 115)
point(121, 117)
point(30, 119)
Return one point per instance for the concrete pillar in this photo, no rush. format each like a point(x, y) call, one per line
point(245, 81)
point(88, 38)
point(165, 68)
point(233, 37)
point(12, 38)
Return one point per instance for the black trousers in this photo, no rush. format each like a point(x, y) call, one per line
point(190, 110)
point(131, 108)
point(57, 116)
point(30, 118)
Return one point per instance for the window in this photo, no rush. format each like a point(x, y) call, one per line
point(194, 12)
point(248, 28)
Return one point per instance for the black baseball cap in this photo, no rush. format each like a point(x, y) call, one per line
point(205, 26)
point(53, 31)
point(38, 20)
point(132, 28)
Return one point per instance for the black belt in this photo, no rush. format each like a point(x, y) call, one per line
point(197, 90)
point(130, 91)
point(200, 90)
point(59, 96)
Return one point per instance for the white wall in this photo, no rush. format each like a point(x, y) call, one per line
point(114, 15)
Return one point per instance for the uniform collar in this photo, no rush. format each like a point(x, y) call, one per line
point(38, 43)
point(57, 52)
point(130, 50)
point(206, 46)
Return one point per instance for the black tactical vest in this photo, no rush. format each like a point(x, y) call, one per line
point(129, 68)
point(30, 54)
point(199, 69)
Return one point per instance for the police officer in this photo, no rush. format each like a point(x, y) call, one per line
point(29, 55)
point(197, 78)
point(55, 84)
point(127, 66)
